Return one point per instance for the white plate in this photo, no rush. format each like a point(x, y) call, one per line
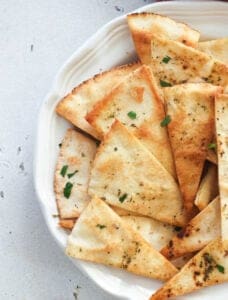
point(109, 47)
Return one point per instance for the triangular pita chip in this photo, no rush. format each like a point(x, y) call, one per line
point(127, 175)
point(76, 105)
point(221, 113)
point(72, 173)
point(184, 64)
point(101, 236)
point(208, 267)
point(136, 103)
point(144, 25)
point(200, 231)
point(191, 110)
point(208, 188)
point(156, 233)
point(216, 48)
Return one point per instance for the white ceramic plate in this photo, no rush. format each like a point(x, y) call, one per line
point(111, 46)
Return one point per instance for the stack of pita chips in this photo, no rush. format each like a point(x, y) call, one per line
point(150, 198)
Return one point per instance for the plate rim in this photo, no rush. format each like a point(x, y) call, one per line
point(57, 83)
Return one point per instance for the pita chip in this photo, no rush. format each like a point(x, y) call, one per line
point(144, 25)
point(208, 267)
point(221, 116)
point(76, 104)
point(127, 175)
point(190, 108)
point(185, 63)
point(136, 103)
point(216, 48)
point(208, 188)
point(72, 173)
point(156, 233)
point(200, 231)
point(101, 236)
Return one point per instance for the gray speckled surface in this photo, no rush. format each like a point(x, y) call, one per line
point(36, 38)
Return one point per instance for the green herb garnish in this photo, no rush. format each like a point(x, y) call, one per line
point(165, 121)
point(122, 198)
point(164, 83)
point(211, 146)
point(64, 170)
point(72, 174)
point(132, 115)
point(67, 190)
point(220, 268)
point(166, 59)
point(100, 226)
point(60, 145)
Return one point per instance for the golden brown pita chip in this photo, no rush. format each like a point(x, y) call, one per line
point(216, 48)
point(80, 101)
point(156, 233)
point(208, 188)
point(190, 108)
point(127, 175)
point(200, 231)
point(144, 25)
point(208, 267)
point(101, 236)
point(136, 103)
point(72, 173)
point(221, 113)
point(184, 64)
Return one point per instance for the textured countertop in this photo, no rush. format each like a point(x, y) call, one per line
point(37, 36)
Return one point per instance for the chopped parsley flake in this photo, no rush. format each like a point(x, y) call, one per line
point(164, 83)
point(122, 198)
point(60, 145)
point(100, 226)
point(72, 174)
point(67, 190)
point(166, 59)
point(220, 268)
point(211, 146)
point(132, 115)
point(165, 121)
point(64, 170)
